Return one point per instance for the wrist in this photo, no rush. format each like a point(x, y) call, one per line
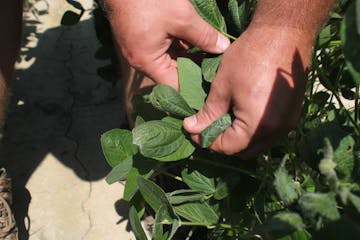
point(278, 36)
point(305, 17)
point(284, 34)
point(276, 45)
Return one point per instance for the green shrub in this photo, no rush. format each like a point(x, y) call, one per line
point(306, 187)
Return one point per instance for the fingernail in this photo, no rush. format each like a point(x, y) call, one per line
point(222, 42)
point(190, 121)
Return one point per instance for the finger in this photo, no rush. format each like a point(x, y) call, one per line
point(216, 105)
point(181, 45)
point(199, 33)
point(233, 140)
point(162, 70)
point(236, 137)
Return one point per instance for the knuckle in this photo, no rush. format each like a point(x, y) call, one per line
point(215, 85)
point(208, 113)
point(135, 60)
point(187, 12)
point(205, 37)
point(182, 17)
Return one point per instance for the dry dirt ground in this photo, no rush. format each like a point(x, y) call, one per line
point(59, 108)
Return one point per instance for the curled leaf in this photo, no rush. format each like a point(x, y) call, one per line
point(210, 133)
point(162, 140)
point(167, 99)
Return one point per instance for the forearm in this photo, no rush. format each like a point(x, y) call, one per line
point(305, 16)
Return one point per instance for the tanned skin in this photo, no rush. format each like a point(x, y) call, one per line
point(262, 75)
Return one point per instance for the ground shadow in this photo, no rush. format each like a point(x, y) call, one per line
point(58, 106)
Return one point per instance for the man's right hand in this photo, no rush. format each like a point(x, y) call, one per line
point(145, 30)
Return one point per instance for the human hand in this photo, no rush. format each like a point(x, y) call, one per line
point(146, 30)
point(262, 79)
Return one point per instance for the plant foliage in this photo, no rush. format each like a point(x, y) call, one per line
point(307, 187)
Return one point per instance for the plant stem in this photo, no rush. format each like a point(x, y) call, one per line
point(357, 103)
point(352, 120)
point(335, 43)
point(229, 36)
point(221, 165)
point(199, 224)
point(172, 176)
point(202, 224)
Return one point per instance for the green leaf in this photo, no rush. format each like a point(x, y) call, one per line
point(344, 158)
point(197, 212)
point(131, 186)
point(177, 122)
point(158, 227)
point(186, 195)
point(210, 133)
point(285, 186)
point(142, 107)
point(325, 36)
point(320, 98)
point(194, 50)
point(136, 224)
point(167, 99)
point(355, 200)
point(139, 120)
point(139, 203)
point(280, 225)
point(141, 167)
point(209, 67)
point(272, 207)
point(311, 144)
point(184, 151)
point(158, 231)
point(70, 18)
point(162, 140)
point(176, 224)
point(225, 185)
point(351, 38)
point(237, 14)
point(345, 228)
point(197, 181)
point(297, 235)
point(319, 204)
point(327, 165)
point(209, 11)
point(117, 146)
point(120, 171)
point(154, 196)
point(308, 184)
point(191, 83)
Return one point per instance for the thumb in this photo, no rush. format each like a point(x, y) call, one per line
point(199, 33)
point(216, 105)
point(232, 140)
